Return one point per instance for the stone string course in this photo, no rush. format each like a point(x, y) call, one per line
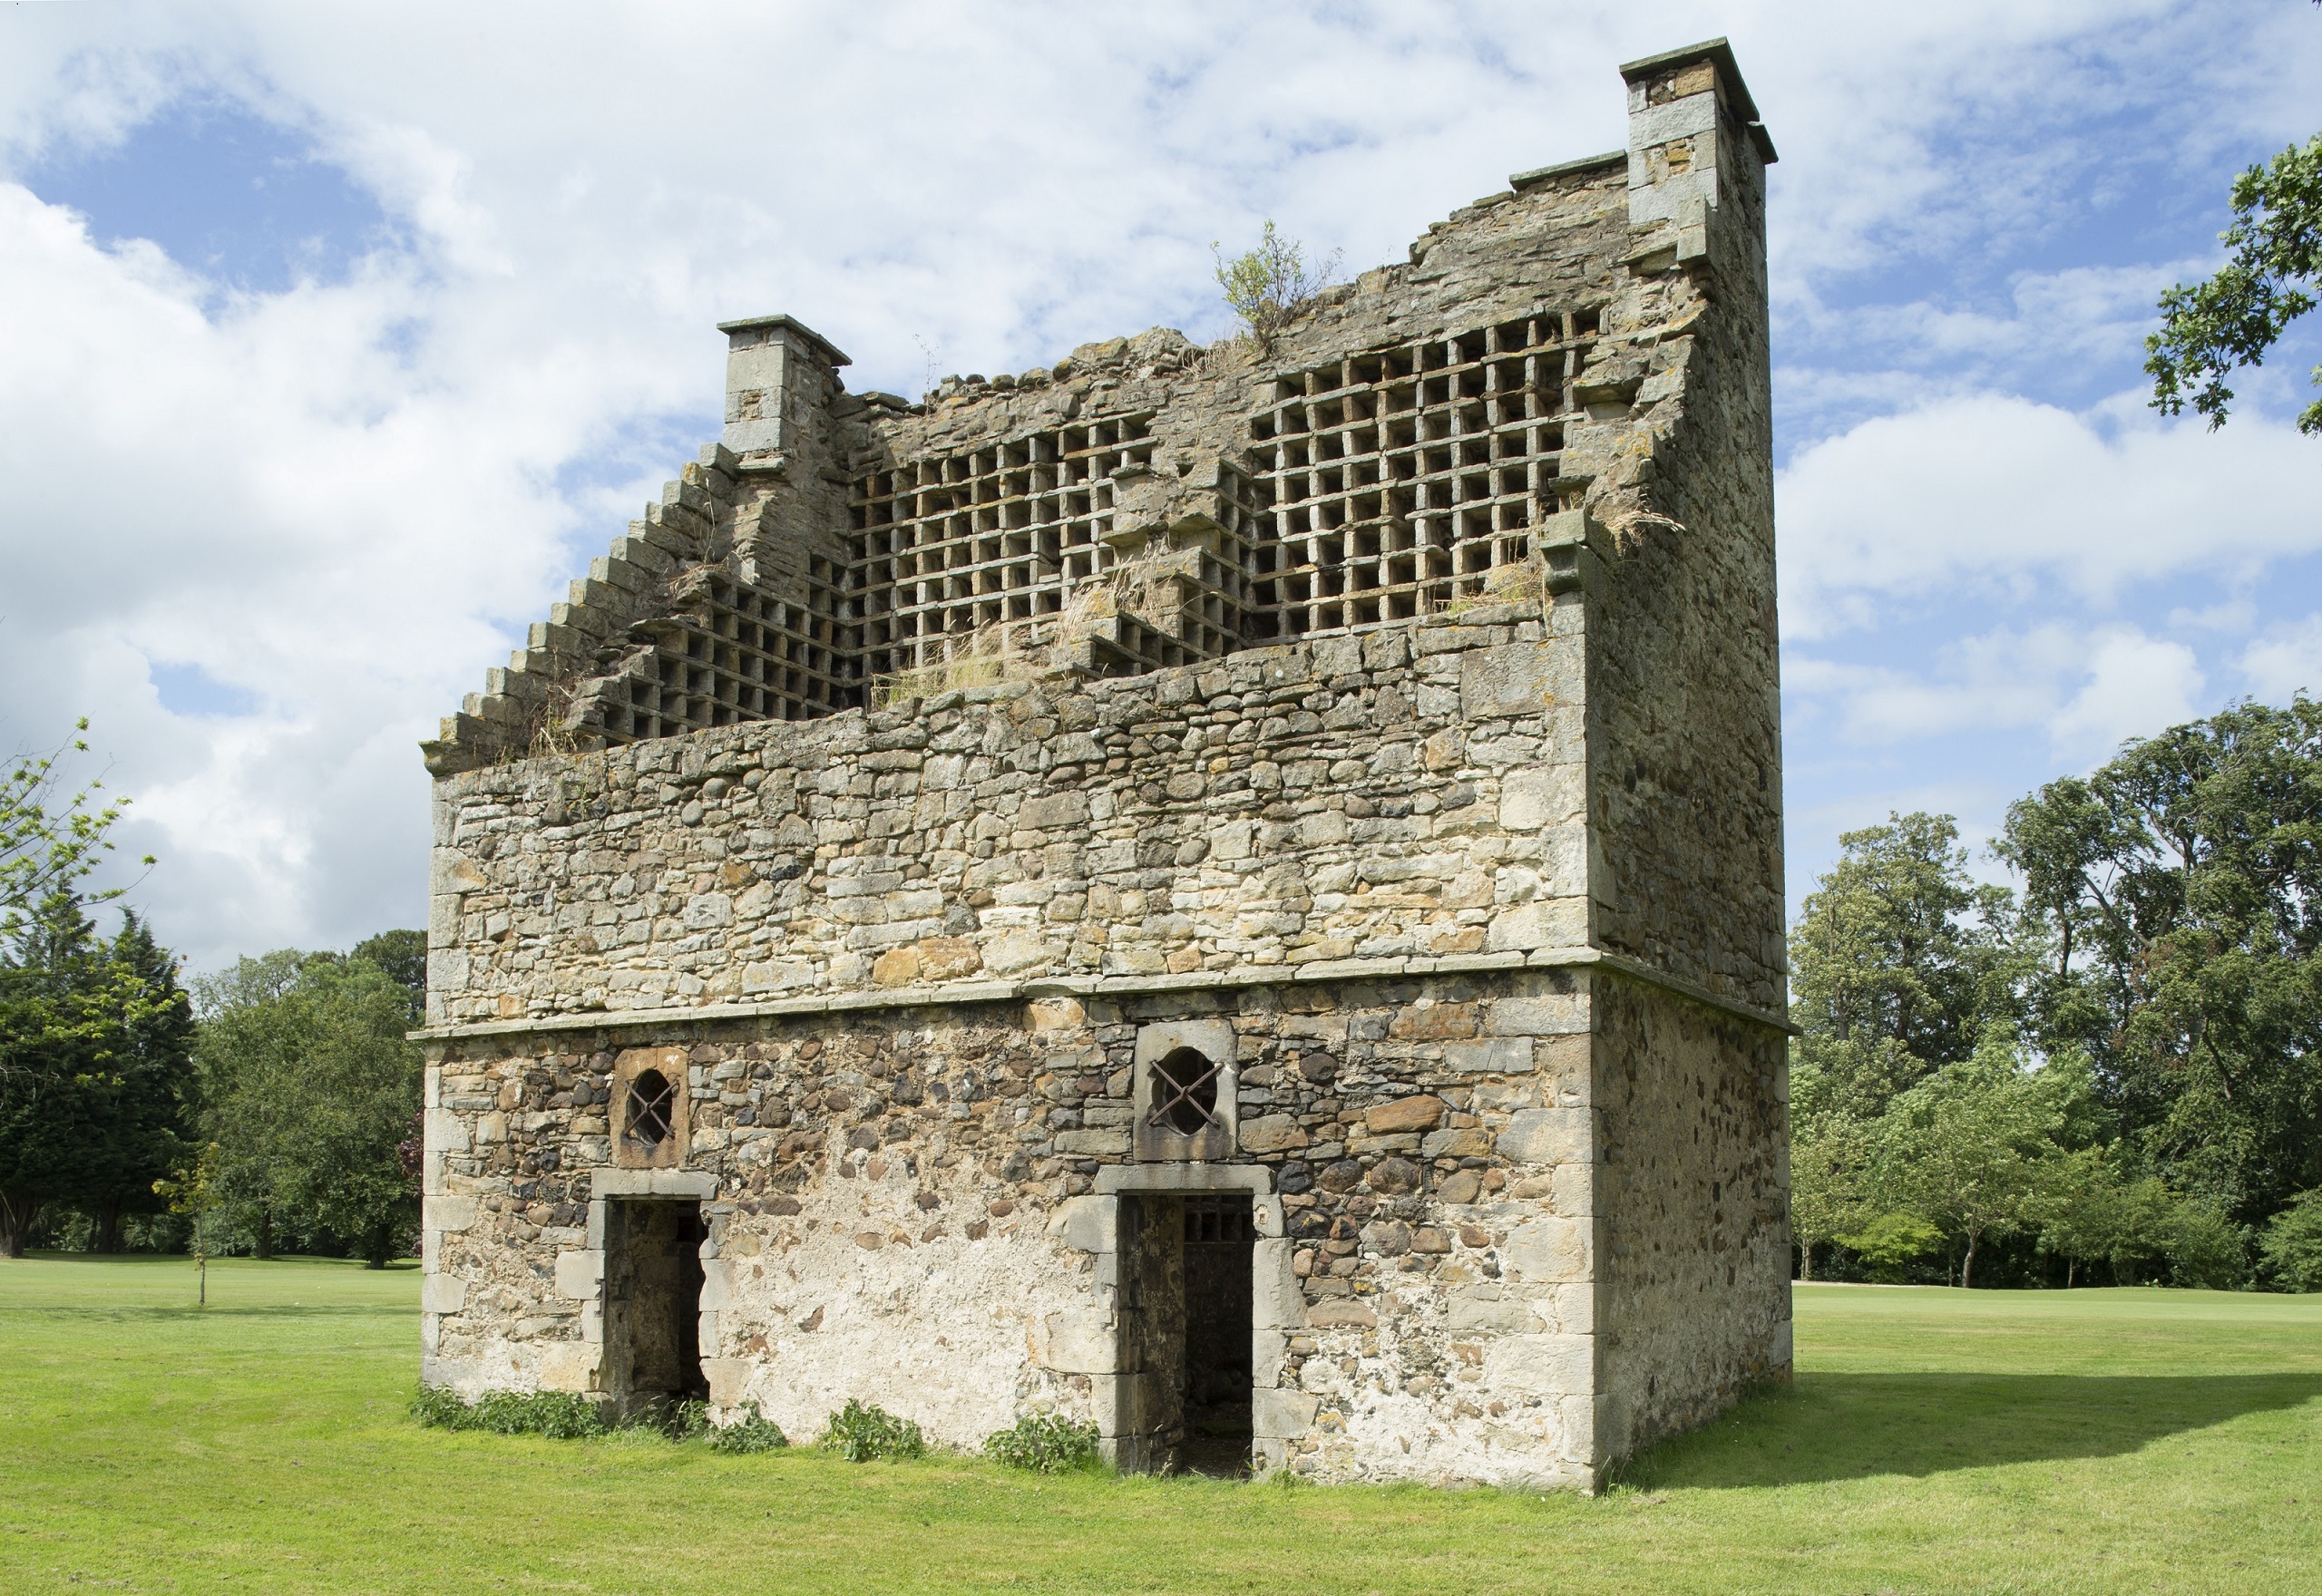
point(1486, 901)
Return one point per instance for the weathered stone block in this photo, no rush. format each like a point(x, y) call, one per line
point(1053, 812)
point(1282, 1415)
point(1079, 1342)
point(1488, 1307)
point(1419, 1112)
point(448, 1213)
point(1562, 1014)
point(1511, 680)
point(1279, 1303)
point(1093, 1144)
point(1551, 1249)
point(572, 1366)
point(1542, 1366)
point(578, 1274)
point(1273, 1132)
point(1498, 1056)
point(728, 1378)
point(1550, 1135)
point(1088, 1224)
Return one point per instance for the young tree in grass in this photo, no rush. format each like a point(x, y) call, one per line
point(1971, 1147)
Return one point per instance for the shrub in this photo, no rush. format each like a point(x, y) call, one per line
point(2292, 1244)
point(751, 1432)
point(440, 1407)
point(1045, 1443)
point(2207, 1248)
point(863, 1432)
point(559, 1416)
point(1891, 1242)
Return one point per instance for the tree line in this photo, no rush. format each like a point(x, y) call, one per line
point(2111, 1072)
point(272, 1106)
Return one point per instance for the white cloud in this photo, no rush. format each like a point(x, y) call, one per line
point(1990, 497)
point(2136, 686)
point(2287, 660)
point(2084, 689)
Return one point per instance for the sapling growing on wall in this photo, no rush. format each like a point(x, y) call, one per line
point(1270, 286)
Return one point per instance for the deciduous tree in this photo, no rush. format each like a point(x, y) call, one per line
point(1896, 962)
point(1969, 1148)
point(309, 1090)
point(2180, 887)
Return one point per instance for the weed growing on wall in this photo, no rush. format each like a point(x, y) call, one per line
point(751, 1432)
point(1045, 1443)
point(559, 1416)
point(866, 1432)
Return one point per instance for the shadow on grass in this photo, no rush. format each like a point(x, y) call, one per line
point(187, 1312)
point(1843, 1427)
point(236, 1262)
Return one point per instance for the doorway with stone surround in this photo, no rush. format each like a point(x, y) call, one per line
point(652, 1304)
point(1187, 1261)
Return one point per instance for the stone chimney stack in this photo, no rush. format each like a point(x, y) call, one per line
point(778, 371)
point(1696, 147)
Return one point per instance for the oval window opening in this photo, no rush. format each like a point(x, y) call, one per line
point(1185, 1092)
point(651, 1101)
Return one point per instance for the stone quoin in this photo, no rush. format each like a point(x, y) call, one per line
point(1318, 1000)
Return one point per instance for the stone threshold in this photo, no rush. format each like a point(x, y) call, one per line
point(952, 994)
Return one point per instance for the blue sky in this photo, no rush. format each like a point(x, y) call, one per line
point(339, 338)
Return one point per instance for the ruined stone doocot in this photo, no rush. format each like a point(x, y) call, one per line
point(1231, 893)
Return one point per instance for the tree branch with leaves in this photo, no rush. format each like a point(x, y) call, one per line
point(2210, 329)
point(51, 842)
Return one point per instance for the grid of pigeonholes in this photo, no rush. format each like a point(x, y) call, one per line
point(949, 549)
point(742, 654)
point(1387, 485)
point(1402, 479)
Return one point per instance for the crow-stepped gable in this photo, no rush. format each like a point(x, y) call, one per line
point(1234, 894)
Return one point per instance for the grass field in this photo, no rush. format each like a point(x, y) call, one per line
point(1934, 1440)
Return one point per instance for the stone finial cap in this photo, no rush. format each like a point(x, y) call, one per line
point(1717, 52)
point(755, 324)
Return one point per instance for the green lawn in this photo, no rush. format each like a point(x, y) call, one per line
point(2097, 1441)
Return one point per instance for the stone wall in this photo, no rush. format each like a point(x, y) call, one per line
point(1692, 1197)
point(916, 1206)
point(1411, 794)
